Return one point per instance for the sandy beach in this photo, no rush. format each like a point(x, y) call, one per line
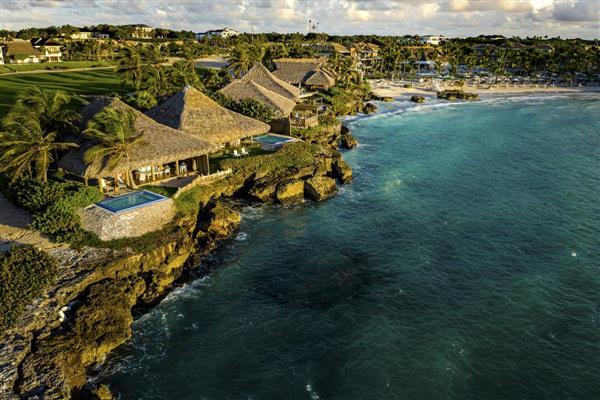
point(386, 88)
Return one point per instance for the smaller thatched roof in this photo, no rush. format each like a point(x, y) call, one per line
point(15, 48)
point(195, 113)
point(244, 89)
point(296, 70)
point(262, 76)
point(160, 144)
point(320, 79)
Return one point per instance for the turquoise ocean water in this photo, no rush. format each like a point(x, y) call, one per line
point(462, 263)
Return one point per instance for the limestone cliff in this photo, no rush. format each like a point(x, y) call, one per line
point(89, 311)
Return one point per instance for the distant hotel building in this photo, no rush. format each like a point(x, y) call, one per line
point(83, 35)
point(141, 31)
point(433, 40)
point(220, 33)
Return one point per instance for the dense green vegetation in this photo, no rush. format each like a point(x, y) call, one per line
point(53, 206)
point(24, 275)
point(80, 83)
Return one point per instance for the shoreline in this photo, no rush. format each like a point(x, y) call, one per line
point(387, 88)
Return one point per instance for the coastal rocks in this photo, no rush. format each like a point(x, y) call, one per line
point(102, 393)
point(385, 99)
point(417, 99)
point(347, 141)
point(57, 365)
point(48, 358)
point(221, 221)
point(369, 108)
point(342, 171)
point(290, 192)
point(263, 190)
point(325, 134)
point(320, 188)
point(457, 95)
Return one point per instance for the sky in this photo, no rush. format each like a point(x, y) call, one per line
point(565, 18)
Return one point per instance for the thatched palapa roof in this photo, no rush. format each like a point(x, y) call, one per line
point(160, 144)
point(321, 78)
point(242, 89)
point(262, 76)
point(195, 113)
point(20, 48)
point(296, 70)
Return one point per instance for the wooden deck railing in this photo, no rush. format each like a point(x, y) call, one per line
point(202, 179)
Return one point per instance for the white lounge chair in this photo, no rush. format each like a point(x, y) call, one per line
point(120, 183)
point(245, 152)
point(106, 187)
point(236, 154)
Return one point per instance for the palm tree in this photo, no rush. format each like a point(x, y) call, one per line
point(27, 148)
point(153, 56)
point(243, 58)
point(184, 73)
point(51, 108)
point(130, 67)
point(116, 135)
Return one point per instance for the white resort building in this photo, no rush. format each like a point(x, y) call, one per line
point(218, 33)
point(432, 40)
point(49, 49)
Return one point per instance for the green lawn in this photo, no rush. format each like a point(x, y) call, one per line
point(7, 68)
point(83, 83)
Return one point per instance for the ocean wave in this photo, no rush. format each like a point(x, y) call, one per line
point(434, 104)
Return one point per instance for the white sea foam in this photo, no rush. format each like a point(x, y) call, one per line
point(433, 104)
point(311, 392)
point(241, 236)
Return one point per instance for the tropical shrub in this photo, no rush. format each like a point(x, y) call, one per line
point(34, 195)
point(54, 205)
point(248, 107)
point(254, 109)
point(24, 275)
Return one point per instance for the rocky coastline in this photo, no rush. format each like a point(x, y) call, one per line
point(65, 336)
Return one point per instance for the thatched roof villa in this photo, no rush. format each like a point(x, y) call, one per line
point(194, 113)
point(244, 89)
point(160, 145)
point(262, 76)
point(20, 52)
point(297, 71)
point(320, 80)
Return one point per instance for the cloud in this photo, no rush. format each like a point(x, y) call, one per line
point(581, 10)
point(567, 18)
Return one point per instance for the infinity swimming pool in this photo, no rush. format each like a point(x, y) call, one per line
point(272, 142)
point(130, 201)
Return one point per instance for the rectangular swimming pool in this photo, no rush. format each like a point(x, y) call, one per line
point(272, 142)
point(130, 201)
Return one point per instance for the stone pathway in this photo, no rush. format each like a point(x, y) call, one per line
point(15, 229)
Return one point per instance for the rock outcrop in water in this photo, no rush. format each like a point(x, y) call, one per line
point(369, 108)
point(320, 188)
point(417, 99)
point(457, 95)
point(347, 140)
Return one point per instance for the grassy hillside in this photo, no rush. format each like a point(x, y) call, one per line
point(86, 82)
